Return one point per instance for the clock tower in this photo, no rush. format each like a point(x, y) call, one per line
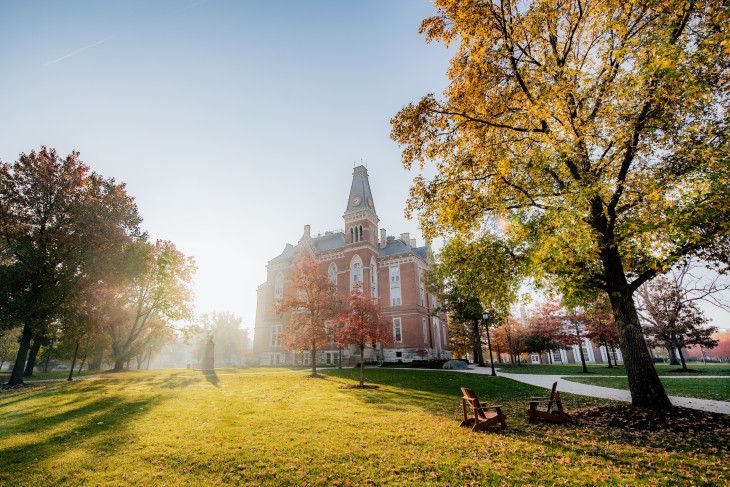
point(361, 221)
point(361, 234)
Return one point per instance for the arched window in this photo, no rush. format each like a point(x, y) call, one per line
point(333, 273)
point(355, 271)
point(356, 233)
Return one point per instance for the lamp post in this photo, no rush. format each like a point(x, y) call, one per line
point(485, 317)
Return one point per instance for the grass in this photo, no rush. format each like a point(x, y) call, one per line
point(703, 388)
point(279, 428)
point(577, 369)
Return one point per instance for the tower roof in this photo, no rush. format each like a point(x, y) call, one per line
point(360, 196)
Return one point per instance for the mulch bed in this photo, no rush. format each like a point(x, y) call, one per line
point(676, 419)
point(357, 386)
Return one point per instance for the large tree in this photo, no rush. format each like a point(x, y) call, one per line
point(596, 128)
point(156, 295)
point(312, 305)
point(54, 216)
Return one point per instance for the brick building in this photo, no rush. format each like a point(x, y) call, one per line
point(390, 269)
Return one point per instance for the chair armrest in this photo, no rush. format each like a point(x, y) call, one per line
point(496, 406)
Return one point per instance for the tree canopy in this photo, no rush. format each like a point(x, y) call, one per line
point(596, 129)
point(311, 301)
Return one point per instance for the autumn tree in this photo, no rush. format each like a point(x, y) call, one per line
point(546, 328)
point(677, 295)
point(596, 129)
point(54, 215)
point(156, 295)
point(311, 302)
point(676, 323)
point(363, 324)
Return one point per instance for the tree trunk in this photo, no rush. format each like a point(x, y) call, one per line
point(32, 355)
point(671, 351)
point(16, 377)
point(97, 358)
point(608, 354)
point(681, 357)
point(362, 366)
point(582, 358)
point(313, 355)
point(118, 365)
point(73, 363)
point(478, 356)
point(646, 389)
point(81, 365)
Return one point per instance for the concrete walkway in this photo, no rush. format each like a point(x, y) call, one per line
point(546, 381)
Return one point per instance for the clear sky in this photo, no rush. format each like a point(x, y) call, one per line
point(233, 122)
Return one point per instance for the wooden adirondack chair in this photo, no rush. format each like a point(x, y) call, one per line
point(482, 417)
point(556, 415)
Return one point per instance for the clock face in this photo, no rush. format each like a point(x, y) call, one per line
point(356, 200)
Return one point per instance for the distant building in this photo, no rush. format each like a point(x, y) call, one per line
point(390, 269)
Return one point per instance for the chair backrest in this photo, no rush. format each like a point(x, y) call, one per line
point(553, 392)
point(471, 398)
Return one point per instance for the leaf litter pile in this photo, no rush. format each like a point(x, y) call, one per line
point(675, 419)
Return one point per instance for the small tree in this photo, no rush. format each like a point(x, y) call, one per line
point(363, 324)
point(311, 301)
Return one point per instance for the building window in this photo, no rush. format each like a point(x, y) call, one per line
point(395, 296)
point(425, 331)
point(420, 282)
point(279, 286)
point(329, 358)
point(557, 357)
point(443, 328)
point(356, 233)
point(397, 330)
point(333, 273)
point(395, 274)
point(373, 278)
point(276, 330)
point(357, 273)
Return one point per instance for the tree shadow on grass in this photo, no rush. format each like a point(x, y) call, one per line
point(95, 422)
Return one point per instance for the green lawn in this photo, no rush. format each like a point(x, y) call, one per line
point(577, 369)
point(703, 388)
point(279, 428)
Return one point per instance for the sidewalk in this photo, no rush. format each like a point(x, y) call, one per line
point(546, 381)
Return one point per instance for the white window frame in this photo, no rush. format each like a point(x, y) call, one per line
point(279, 286)
point(397, 330)
point(394, 271)
point(425, 331)
point(395, 296)
point(276, 330)
point(333, 273)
